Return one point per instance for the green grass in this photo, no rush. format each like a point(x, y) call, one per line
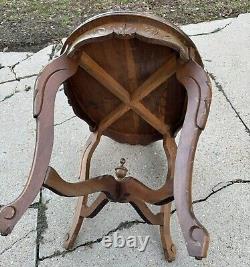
point(29, 22)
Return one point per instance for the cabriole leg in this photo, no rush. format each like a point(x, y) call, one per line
point(197, 84)
point(167, 243)
point(46, 87)
point(90, 147)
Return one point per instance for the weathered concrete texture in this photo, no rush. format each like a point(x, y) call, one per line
point(25, 85)
point(6, 75)
point(57, 49)
point(7, 90)
point(17, 144)
point(227, 58)
point(35, 63)
point(19, 71)
point(229, 247)
point(18, 139)
point(223, 151)
point(206, 27)
point(8, 59)
point(19, 248)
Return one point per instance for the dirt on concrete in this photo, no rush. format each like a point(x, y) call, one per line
point(29, 25)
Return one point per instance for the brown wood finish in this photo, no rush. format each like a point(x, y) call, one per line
point(136, 79)
point(107, 184)
point(47, 85)
point(169, 249)
point(198, 87)
point(81, 206)
point(111, 93)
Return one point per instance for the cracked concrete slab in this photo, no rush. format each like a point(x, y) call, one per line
point(223, 151)
point(227, 58)
point(56, 50)
point(8, 59)
point(20, 247)
point(7, 90)
point(34, 64)
point(235, 237)
point(17, 144)
point(26, 84)
point(17, 141)
point(220, 180)
point(6, 75)
point(207, 27)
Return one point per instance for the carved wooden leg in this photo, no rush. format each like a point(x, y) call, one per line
point(145, 213)
point(167, 243)
point(46, 88)
point(90, 147)
point(197, 84)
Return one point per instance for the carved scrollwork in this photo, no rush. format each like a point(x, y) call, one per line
point(130, 30)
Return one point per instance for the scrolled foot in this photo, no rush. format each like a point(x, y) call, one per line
point(198, 242)
point(170, 252)
point(167, 243)
point(68, 242)
point(71, 236)
point(7, 224)
point(193, 77)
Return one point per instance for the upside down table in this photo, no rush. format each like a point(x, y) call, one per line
point(136, 79)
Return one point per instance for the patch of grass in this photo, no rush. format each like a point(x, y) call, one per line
point(193, 11)
point(30, 23)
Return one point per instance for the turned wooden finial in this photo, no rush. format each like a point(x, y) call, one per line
point(121, 171)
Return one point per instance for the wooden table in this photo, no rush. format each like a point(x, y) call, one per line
point(136, 79)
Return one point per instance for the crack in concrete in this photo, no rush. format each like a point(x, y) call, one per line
point(224, 185)
point(34, 205)
point(55, 48)
point(42, 225)
point(220, 88)
point(27, 89)
point(18, 79)
point(13, 71)
point(129, 224)
point(60, 123)
point(27, 56)
point(18, 240)
point(53, 51)
point(121, 226)
point(17, 63)
point(214, 191)
point(214, 31)
point(7, 97)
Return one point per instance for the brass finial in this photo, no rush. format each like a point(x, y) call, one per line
point(121, 171)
